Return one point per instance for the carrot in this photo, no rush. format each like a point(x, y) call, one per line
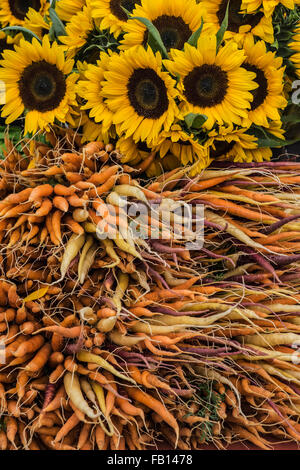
point(70, 424)
point(3, 441)
point(84, 435)
point(29, 346)
point(60, 330)
point(45, 190)
point(107, 186)
point(243, 433)
point(22, 381)
point(73, 390)
point(47, 440)
point(18, 198)
point(75, 201)
point(100, 437)
point(100, 178)
point(235, 209)
point(57, 400)
point(72, 249)
point(17, 210)
point(209, 183)
point(40, 359)
point(61, 190)
point(44, 209)
point(156, 406)
point(11, 429)
point(61, 203)
point(129, 409)
point(74, 226)
point(49, 227)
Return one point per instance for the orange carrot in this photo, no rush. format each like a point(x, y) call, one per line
point(154, 405)
point(74, 332)
point(61, 203)
point(56, 220)
point(29, 346)
point(44, 209)
point(61, 190)
point(70, 424)
point(45, 190)
point(74, 226)
point(40, 359)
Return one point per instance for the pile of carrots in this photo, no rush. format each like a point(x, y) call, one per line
point(125, 344)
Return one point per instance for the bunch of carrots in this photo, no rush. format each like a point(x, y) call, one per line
point(125, 343)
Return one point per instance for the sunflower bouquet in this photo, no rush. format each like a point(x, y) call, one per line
point(190, 81)
point(118, 330)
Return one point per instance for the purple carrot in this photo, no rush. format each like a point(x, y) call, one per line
point(76, 347)
point(262, 262)
point(49, 395)
point(213, 225)
point(279, 224)
point(291, 277)
point(248, 278)
point(157, 276)
point(283, 260)
point(205, 351)
point(216, 256)
point(165, 249)
point(254, 164)
point(109, 281)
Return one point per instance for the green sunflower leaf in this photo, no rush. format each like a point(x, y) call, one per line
point(265, 139)
point(26, 32)
point(57, 27)
point(195, 121)
point(193, 41)
point(223, 28)
point(154, 39)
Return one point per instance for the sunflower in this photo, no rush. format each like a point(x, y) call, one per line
point(111, 13)
point(90, 89)
point(294, 46)
point(92, 131)
point(78, 31)
point(236, 145)
point(13, 12)
point(36, 23)
point(8, 42)
point(213, 83)
point(140, 95)
point(251, 6)
point(182, 146)
point(268, 97)
point(38, 80)
point(131, 151)
point(175, 20)
point(67, 8)
point(239, 24)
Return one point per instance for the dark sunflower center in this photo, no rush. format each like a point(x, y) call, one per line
point(206, 86)
point(117, 5)
point(173, 30)
point(221, 148)
point(147, 93)
point(19, 8)
point(237, 19)
point(42, 87)
point(260, 93)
